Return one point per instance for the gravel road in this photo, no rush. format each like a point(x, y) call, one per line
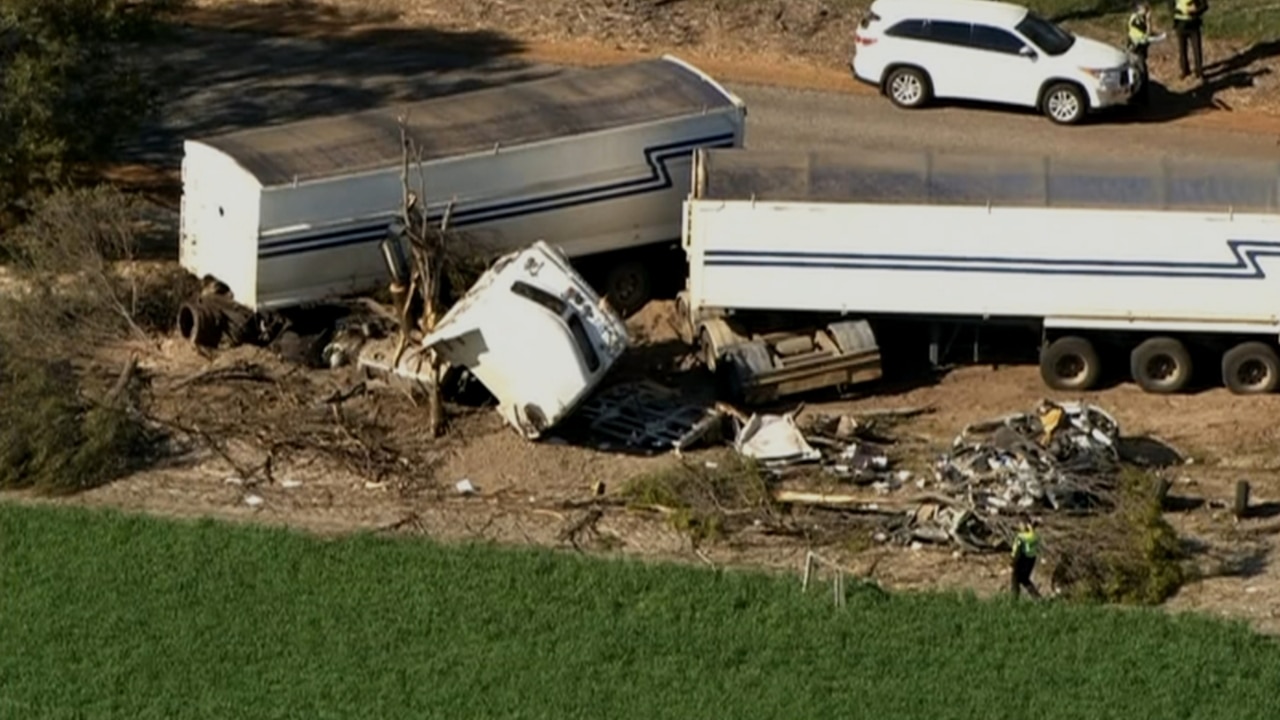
point(224, 80)
point(780, 118)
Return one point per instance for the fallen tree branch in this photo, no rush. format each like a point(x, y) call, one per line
point(902, 413)
point(122, 382)
point(251, 372)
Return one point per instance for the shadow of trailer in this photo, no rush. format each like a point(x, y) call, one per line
point(596, 161)
point(1158, 268)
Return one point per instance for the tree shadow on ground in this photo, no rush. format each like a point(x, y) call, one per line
point(248, 65)
point(1238, 562)
point(1238, 71)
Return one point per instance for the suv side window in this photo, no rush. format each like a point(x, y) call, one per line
point(986, 37)
point(909, 29)
point(950, 33)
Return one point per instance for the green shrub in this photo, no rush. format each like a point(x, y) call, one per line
point(703, 499)
point(1131, 556)
point(55, 440)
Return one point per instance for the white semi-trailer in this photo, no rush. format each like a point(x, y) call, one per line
point(595, 161)
point(1158, 264)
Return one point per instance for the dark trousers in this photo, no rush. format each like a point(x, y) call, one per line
point(1189, 42)
point(1143, 93)
point(1021, 577)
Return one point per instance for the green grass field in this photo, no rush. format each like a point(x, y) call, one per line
point(104, 615)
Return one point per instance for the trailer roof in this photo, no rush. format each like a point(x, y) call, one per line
point(572, 102)
point(960, 179)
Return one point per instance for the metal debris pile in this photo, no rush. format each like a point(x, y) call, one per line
point(1058, 456)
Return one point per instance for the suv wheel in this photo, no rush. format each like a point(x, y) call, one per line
point(1065, 104)
point(907, 87)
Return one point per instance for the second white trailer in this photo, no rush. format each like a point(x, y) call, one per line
point(1164, 261)
point(595, 161)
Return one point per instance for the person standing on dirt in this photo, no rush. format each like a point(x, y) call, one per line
point(1139, 43)
point(1188, 17)
point(1026, 550)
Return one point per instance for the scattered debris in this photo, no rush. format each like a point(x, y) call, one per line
point(465, 487)
point(253, 500)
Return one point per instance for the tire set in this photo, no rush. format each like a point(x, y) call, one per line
point(1064, 103)
point(1160, 365)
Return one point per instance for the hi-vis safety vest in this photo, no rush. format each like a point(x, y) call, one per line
point(1185, 9)
point(1027, 543)
point(1138, 29)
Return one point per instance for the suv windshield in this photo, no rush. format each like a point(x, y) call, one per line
point(1046, 36)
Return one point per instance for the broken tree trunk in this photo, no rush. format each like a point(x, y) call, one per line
point(427, 250)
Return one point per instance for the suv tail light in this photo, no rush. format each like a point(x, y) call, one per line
point(863, 40)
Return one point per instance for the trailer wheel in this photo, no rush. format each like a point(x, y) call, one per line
point(715, 337)
point(1251, 368)
point(1070, 363)
point(743, 362)
point(1160, 365)
point(853, 336)
point(628, 287)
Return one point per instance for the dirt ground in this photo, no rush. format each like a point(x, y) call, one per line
point(363, 463)
point(806, 43)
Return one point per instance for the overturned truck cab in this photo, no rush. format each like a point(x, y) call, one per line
point(535, 334)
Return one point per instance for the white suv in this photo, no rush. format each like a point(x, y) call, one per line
point(914, 50)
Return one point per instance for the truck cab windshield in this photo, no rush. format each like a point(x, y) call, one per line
point(1047, 36)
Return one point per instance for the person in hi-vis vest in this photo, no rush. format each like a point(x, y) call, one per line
point(1026, 550)
point(1188, 16)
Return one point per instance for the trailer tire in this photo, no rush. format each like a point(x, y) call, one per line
point(1070, 363)
point(201, 323)
point(1160, 365)
point(853, 336)
point(628, 286)
point(1251, 368)
point(742, 362)
point(715, 338)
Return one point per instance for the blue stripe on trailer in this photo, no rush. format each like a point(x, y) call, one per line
point(657, 180)
point(1244, 264)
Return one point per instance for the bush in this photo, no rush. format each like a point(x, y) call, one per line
point(703, 500)
point(53, 438)
point(76, 291)
point(1131, 556)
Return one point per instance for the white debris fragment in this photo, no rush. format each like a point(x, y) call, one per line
point(253, 500)
point(774, 439)
point(290, 484)
point(464, 487)
point(233, 480)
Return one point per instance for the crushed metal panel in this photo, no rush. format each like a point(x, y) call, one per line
point(648, 416)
